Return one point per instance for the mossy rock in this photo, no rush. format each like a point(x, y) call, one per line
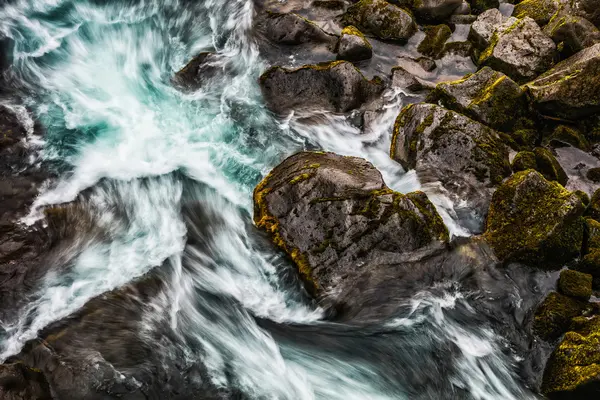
point(381, 19)
point(353, 45)
point(593, 209)
point(523, 161)
point(294, 29)
point(553, 317)
point(575, 284)
point(541, 11)
point(575, 33)
point(435, 38)
point(334, 216)
point(549, 166)
point(573, 370)
point(567, 135)
point(535, 221)
point(487, 96)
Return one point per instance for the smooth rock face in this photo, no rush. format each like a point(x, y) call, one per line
point(487, 96)
point(381, 19)
point(486, 24)
point(338, 86)
point(571, 89)
point(534, 221)
point(292, 29)
point(434, 10)
point(467, 157)
point(353, 46)
point(522, 51)
point(335, 217)
point(576, 33)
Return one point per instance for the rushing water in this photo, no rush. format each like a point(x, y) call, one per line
point(97, 74)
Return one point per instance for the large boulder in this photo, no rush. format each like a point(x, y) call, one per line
point(465, 156)
point(575, 33)
point(487, 96)
point(337, 86)
point(353, 46)
point(571, 89)
point(522, 51)
point(381, 19)
point(293, 29)
point(434, 10)
point(534, 221)
point(483, 28)
point(543, 161)
point(334, 216)
point(553, 316)
point(573, 370)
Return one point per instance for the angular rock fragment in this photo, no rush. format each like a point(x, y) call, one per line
point(403, 79)
point(353, 46)
point(553, 317)
point(199, 71)
point(534, 221)
point(486, 25)
point(293, 29)
point(337, 86)
point(381, 19)
point(522, 51)
point(575, 33)
point(435, 38)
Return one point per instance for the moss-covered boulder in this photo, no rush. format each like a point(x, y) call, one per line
point(590, 260)
point(293, 29)
point(523, 161)
point(593, 210)
point(564, 135)
point(571, 89)
point(593, 174)
point(575, 284)
point(434, 10)
point(575, 33)
point(535, 221)
point(334, 216)
point(542, 160)
point(573, 370)
point(353, 45)
point(541, 11)
point(487, 96)
point(337, 86)
point(522, 51)
point(465, 156)
point(432, 44)
point(553, 317)
point(381, 19)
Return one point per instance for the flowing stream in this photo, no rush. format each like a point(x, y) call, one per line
point(97, 75)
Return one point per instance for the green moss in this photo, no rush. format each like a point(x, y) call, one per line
point(353, 31)
point(435, 224)
point(403, 117)
point(568, 135)
point(575, 284)
point(541, 11)
point(300, 178)
point(553, 317)
point(523, 161)
point(583, 196)
point(593, 209)
point(534, 221)
point(435, 38)
point(390, 25)
point(549, 166)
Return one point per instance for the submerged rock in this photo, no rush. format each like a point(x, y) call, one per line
point(381, 19)
point(336, 218)
point(571, 89)
point(522, 51)
point(353, 46)
point(337, 86)
point(534, 221)
point(293, 29)
point(487, 96)
point(467, 157)
point(573, 370)
point(434, 10)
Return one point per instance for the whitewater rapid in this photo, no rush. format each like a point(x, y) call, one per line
point(97, 75)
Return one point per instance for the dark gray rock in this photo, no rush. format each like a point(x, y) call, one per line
point(576, 33)
point(293, 29)
point(381, 19)
point(200, 71)
point(338, 86)
point(353, 46)
point(335, 217)
point(465, 156)
point(522, 51)
point(487, 96)
point(435, 10)
point(403, 79)
point(571, 89)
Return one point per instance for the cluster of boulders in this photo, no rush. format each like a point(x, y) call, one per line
point(489, 139)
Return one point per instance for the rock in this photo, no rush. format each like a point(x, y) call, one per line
point(553, 317)
point(381, 19)
point(461, 20)
point(576, 33)
point(593, 174)
point(334, 216)
point(487, 96)
point(434, 10)
point(467, 157)
point(590, 262)
point(575, 284)
point(461, 49)
point(534, 221)
point(293, 29)
point(523, 161)
point(543, 161)
point(541, 11)
point(335, 5)
point(564, 135)
point(573, 370)
point(593, 210)
point(464, 9)
point(18, 382)
point(353, 46)
point(426, 63)
point(337, 86)
point(199, 71)
point(522, 51)
point(570, 90)
point(405, 80)
point(486, 24)
point(479, 6)
point(435, 38)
